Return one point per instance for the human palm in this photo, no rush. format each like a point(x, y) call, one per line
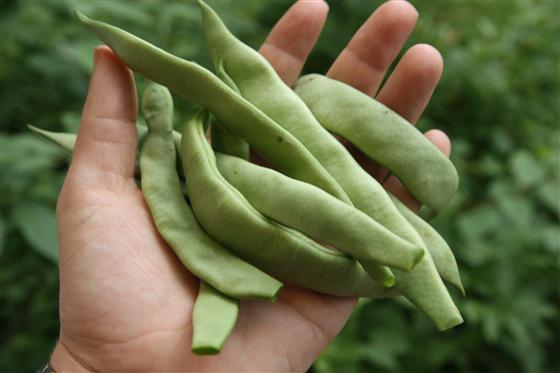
point(125, 300)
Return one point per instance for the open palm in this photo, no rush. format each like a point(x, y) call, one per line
point(125, 300)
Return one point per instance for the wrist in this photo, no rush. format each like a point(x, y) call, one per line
point(63, 361)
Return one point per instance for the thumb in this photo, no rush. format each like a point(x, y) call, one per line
point(105, 150)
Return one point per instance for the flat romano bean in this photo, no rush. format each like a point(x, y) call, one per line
point(173, 218)
point(67, 140)
point(214, 317)
point(319, 215)
point(422, 285)
point(442, 255)
point(422, 279)
point(203, 88)
point(425, 289)
point(258, 82)
point(278, 250)
point(384, 136)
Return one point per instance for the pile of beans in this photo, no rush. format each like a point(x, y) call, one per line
point(316, 220)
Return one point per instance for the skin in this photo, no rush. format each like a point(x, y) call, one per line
point(109, 321)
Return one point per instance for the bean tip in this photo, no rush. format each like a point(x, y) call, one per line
point(389, 282)
point(276, 294)
point(427, 213)
point(36, 130)
point(418, 256)
point(459, 286)
point(205, 350)
point(201, 4)
point(451, 323)
point(81, 16)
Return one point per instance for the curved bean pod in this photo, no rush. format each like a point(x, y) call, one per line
point(318, 215)
point(443, 264)
point(256, 79)
point(203, 88)
point(422, 285)
point(442, 255)
point(424, 279)
point(66, 141)
point(279, 251)
point(384, 136)
point(214, 317)
point(258, 82)
point(425, 289)
point(173, 218)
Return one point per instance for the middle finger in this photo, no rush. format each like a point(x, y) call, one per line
point(366, 59)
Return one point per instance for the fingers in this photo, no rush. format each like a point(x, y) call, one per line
point(393, 185)
point(106, 143)
point(364, 62)
point(409, 88)
point(291, 40)
point(440, 140)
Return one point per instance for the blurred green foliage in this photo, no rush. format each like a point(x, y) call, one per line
point(499, 100)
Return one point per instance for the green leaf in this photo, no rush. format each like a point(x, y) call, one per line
point(3, 230)
point(549, 194)
point(37, 224)
point(27, 154)
point(479, 222)
point(526, 169)
point(550, 236)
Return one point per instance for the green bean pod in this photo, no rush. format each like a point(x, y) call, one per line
point(66, 141)
point(423, 279)
point(442, 255)
point(271, 192)
point(384, 136)
point(173, 218)
point(203, 88)
point(425, 289)
point(319, 215)
point(278, 250)
point(214, 317)
point(258, 82)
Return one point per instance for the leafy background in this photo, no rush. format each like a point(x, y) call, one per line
point(499, 101)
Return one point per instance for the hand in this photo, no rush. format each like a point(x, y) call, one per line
point(125, 300)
